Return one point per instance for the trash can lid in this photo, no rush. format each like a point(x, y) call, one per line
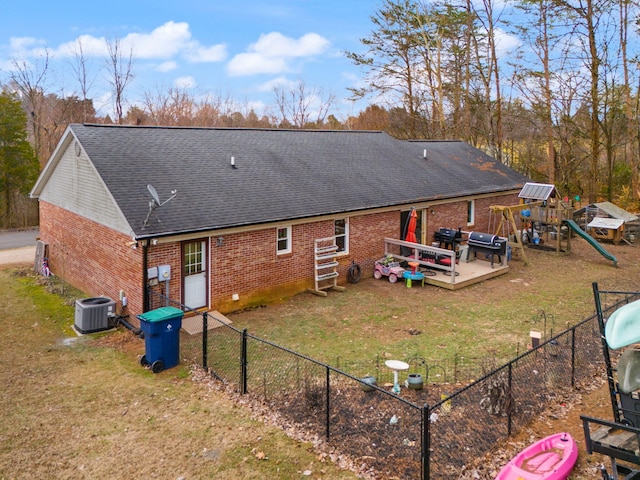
point(161, 314)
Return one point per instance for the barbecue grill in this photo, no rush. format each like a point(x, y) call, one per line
point(448, 237)
point(488, 244)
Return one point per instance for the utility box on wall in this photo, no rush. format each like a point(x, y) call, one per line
point(164, 273)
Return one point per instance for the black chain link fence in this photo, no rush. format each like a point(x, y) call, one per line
point(421, 433)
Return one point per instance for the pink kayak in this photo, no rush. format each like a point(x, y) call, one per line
point(551, 458)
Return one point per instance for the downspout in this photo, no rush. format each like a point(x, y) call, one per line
point(145, 280)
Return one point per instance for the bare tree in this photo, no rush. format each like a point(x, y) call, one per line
point(31, 81)
point(120, 70)
point(300, 107)
point(588, 16)
point(536, 82)
point(175, 107)
point(392, 60)
point(488, 69)
point(80, 67)
point(631, 153)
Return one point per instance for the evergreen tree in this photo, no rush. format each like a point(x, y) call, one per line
point(18, 163)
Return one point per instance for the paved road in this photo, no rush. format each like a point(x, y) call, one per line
point(18, 247)
point(17, 239)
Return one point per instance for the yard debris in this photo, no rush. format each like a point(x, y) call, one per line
point(262, 411)
point(259, 454)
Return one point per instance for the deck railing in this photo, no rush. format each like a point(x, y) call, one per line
point(425, 255)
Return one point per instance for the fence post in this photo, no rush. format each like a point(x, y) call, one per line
point(455, 368)
point(511, 408)
point(205, 329)
point(426, 444)
point(328, 393)
point(573, 357)
point(243, 363)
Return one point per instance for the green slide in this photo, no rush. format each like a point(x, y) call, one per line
point(594, 243)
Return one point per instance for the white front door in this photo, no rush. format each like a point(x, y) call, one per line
point(194, 268)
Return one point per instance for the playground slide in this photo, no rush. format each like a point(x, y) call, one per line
point(592, 241)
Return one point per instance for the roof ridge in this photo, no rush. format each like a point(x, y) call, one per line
point(256, 129)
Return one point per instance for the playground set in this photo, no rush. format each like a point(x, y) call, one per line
point(539, 221)
point(547, 223)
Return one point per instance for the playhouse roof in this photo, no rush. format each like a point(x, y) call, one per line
point(615, 212)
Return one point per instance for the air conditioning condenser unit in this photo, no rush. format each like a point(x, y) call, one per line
point(92, 314)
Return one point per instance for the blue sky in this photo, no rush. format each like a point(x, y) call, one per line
point(221, 47)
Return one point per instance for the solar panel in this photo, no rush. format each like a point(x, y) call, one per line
point(536, 191)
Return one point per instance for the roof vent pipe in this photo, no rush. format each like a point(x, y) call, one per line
point(233, 162)
point(424, 153)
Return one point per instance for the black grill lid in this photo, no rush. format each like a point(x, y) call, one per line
point(482, 239)
point(448, 234)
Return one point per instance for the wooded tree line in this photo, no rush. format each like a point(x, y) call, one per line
point(549, 87)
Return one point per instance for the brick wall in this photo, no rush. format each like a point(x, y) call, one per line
point(92, 257)
point(100, 261)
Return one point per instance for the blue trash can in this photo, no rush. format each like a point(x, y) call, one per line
point(161, 328)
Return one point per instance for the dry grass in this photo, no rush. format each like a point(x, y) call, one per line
point(489, 319)
point(74, 408)
point(85, 408)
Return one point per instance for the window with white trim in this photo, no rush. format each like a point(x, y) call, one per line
point(341, 232)
point(283, 240)
point(471, 212)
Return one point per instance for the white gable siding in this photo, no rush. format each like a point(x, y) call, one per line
point(75, 186)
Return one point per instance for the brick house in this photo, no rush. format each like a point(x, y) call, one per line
point(248, 206)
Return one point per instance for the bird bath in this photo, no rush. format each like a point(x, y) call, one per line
point(396, 366)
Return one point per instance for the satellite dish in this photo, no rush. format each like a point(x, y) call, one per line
point(155, 203)
point(154, 194)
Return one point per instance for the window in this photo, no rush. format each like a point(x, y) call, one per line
point(193, 258)
point(341, 232)
point(471, 212)
point(283, 240)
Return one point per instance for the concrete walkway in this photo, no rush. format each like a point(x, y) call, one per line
point(18, 247)
point(18, 256)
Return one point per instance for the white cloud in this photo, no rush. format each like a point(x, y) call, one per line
point(254, 63)
point(275, 44)
point(164, 41)
point(505, 42)
point(185, 82)
point(170, 40)
point(215, 53)
point(273, 53)
point(21, 44)
point(167, 66)
point(91, 47)
point(257, 106)
point(23, 48)
point(280, 82)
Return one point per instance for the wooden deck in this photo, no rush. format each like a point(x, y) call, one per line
point(467, 273)
point(458, 275)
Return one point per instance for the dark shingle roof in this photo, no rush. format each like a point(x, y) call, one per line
point(279, 174)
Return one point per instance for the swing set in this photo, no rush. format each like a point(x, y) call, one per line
point(541, 216)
